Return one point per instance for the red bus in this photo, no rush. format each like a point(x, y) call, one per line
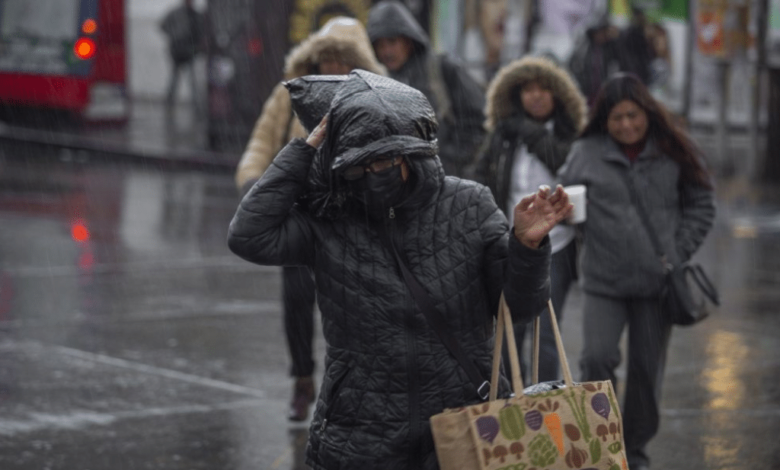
point(64, 55)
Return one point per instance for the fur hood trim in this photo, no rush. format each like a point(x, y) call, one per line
point(344, 37)
point(500, 103)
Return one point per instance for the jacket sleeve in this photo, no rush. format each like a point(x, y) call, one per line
point(267, 138)
point(268, 228)
point(527, 285)
point(698, 216)
point(521, 272)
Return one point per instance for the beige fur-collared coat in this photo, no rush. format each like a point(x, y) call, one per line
point(344, 38)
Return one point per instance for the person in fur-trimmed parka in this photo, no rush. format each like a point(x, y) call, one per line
point(534, 112)
point(341, 45)
point(341, 41)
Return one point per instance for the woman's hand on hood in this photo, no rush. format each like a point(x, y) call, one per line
point(318, 134)
point(537, 214)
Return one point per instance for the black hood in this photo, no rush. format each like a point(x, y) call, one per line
point(389, 19)
point(369, 115)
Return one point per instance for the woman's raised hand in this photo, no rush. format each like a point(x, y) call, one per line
point(537, 214)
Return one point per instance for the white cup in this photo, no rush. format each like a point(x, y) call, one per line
point(577, 197)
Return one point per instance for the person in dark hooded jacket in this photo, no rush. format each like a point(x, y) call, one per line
point(403, 47)
point(365, 189)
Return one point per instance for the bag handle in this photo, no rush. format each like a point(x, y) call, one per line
point(535, 356)
point(640, 208)
point(706, 286)
point(504, 326)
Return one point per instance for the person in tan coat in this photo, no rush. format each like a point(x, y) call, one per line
point(341, 45)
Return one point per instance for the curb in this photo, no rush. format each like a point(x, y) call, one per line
point(203, 159)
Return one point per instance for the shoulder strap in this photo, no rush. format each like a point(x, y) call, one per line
point(640, 208)
point(438, 322)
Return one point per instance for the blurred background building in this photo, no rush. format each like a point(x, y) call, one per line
point(714, 62)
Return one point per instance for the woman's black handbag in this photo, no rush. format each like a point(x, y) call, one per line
point(687, 289)
point(686, 294)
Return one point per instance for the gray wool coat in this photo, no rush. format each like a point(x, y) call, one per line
point(618, 259)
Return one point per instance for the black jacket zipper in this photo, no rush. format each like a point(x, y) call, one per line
point(415, 430)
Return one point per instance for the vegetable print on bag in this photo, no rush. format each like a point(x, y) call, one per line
point(576, 428)
point(552, 426)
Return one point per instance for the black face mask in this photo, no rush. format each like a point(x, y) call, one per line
point(383, 190)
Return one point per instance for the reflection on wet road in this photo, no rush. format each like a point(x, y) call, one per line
point(131, 338)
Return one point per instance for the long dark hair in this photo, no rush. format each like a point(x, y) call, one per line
point(672, 140)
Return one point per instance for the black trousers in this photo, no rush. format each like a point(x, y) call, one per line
point(563, 272)
point(298, 293)
point(648, 338)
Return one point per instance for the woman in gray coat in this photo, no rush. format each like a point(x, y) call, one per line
point(630, 140)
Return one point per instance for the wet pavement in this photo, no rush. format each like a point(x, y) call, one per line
point(130, 338)
point(152, 132)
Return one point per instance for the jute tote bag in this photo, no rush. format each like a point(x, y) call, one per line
point(545, 427)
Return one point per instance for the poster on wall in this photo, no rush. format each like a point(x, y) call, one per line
point(722, 28)
point(773, 35)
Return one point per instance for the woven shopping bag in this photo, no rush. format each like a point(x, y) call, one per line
point(548, 426)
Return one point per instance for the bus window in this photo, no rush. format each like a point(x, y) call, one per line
point(64, 55)
point(38, 37)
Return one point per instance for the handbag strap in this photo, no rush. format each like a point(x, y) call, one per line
point(696, 271)
point(704, 283)
point(640, 208)
point(535, 355)
point(505, 325)
point(567, 377)
point(439, 323)
point(504, 319)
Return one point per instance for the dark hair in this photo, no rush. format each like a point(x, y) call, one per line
point(672, 140)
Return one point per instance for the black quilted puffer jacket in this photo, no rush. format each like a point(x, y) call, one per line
point(386, 371)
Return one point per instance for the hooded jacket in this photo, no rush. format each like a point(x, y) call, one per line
point(456, 97)
point(343, 37)
point(386, 371)
point(509, 126)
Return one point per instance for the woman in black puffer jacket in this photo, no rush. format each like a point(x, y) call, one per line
point(375, 177)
